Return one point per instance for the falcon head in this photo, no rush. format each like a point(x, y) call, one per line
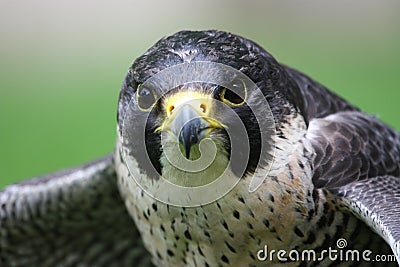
point(184, 116)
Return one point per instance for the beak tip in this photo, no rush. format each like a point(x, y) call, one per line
point(187, 152)
point(187, 143)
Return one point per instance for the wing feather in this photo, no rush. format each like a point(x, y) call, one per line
point(74, 217)
point(377, 202)
point(352, 146)
point(356, 157)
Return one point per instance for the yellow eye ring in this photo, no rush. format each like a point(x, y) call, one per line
point(146, 98)
point(233, 99)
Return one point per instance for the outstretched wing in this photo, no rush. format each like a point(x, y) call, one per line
point(71, 218)
point(357, 157)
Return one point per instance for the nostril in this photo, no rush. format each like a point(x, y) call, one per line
point(203, 108)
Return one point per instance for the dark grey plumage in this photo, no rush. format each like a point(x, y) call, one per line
point(350, 148)
point(71, 218)
point(78, 216)
point(376, 198)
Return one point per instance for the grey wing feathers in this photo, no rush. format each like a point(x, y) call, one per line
point(352, 146)
point(71, 218)
point(377, 202)
point(356, 157)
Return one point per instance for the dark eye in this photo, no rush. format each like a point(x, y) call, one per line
point(146, 98)
point(235, 96)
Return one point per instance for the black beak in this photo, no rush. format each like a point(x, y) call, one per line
point(188, 126)
point(189, 135)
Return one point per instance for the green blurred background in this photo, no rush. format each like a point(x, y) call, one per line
point(62, 63)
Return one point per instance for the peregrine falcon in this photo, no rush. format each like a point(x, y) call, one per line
point(224, 157)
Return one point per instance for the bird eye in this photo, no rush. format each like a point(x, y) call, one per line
point(146, 98)
point(235, 96)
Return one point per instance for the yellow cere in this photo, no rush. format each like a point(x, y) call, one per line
point(200, 101)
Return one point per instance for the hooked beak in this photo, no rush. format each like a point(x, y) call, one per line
point(189, 127)
point(190, 123)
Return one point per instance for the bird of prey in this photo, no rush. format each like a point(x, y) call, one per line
point(329, 186)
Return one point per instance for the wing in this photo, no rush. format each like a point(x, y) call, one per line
point(356, 157)
point(377, 202)
point(352, 146)
point(72, 218)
